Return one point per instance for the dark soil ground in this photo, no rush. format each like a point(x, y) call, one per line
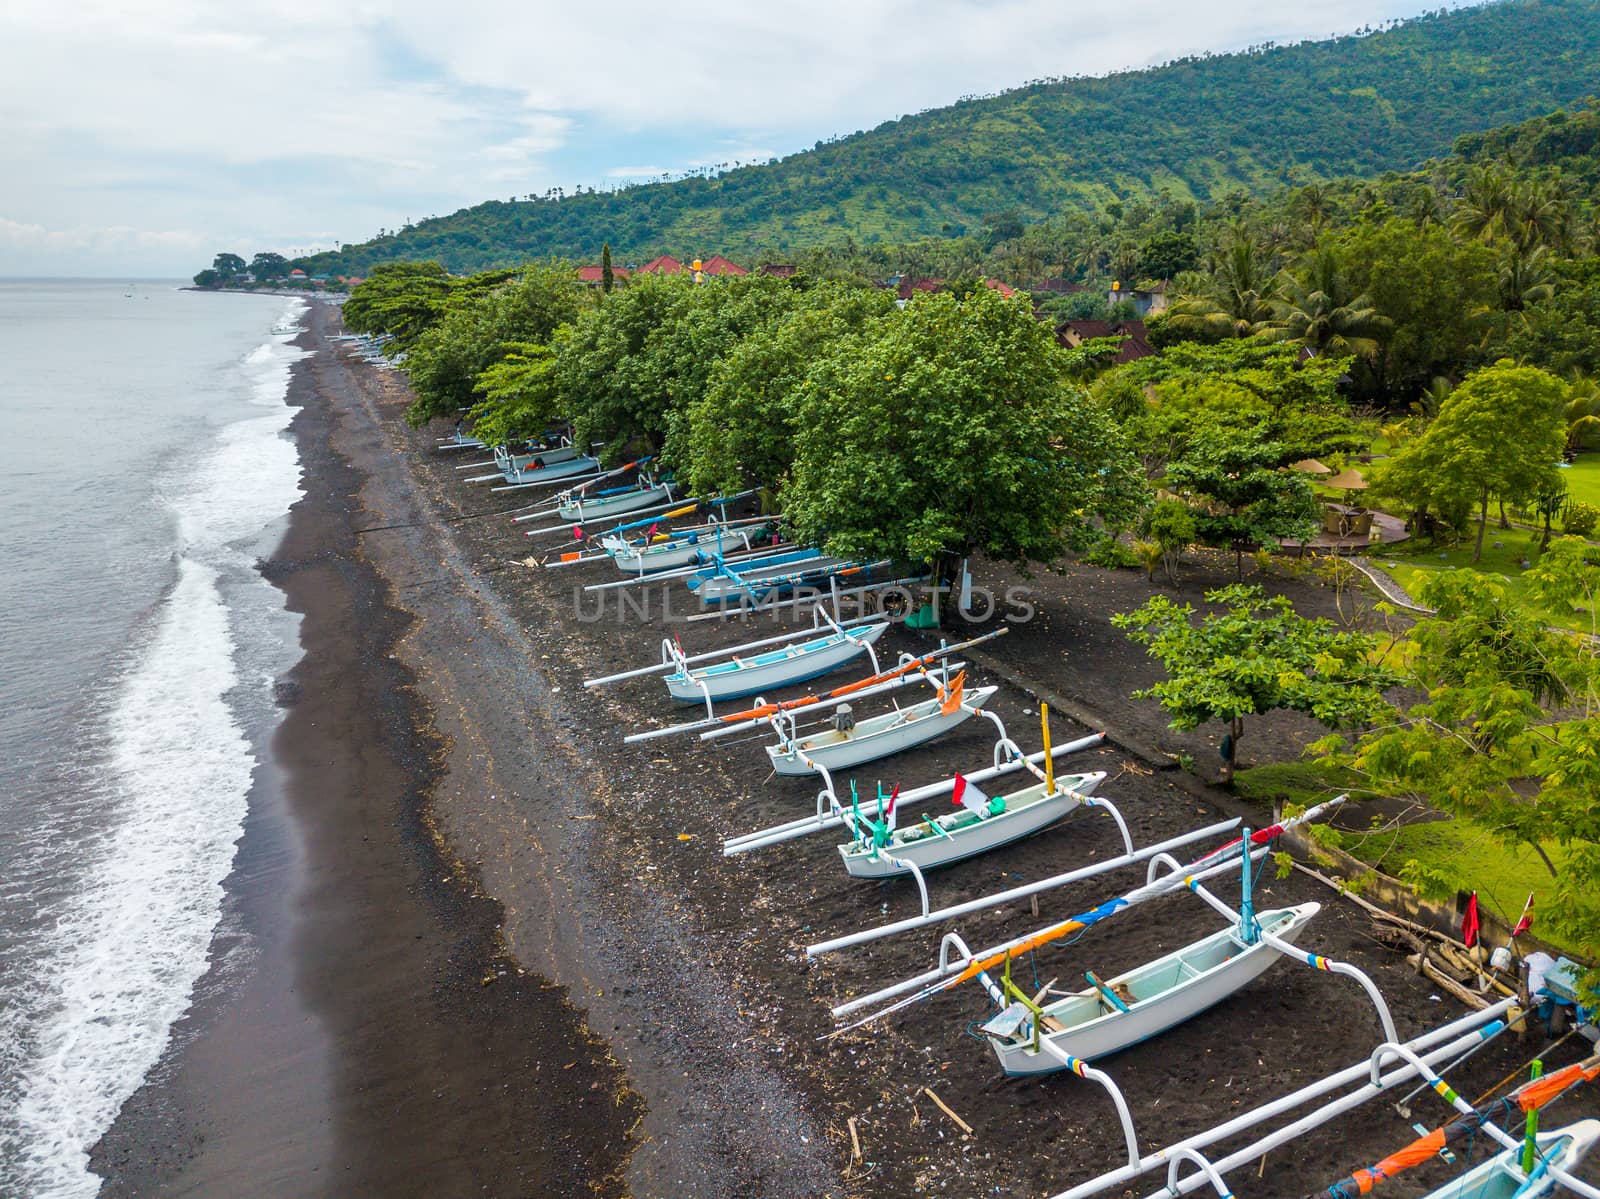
point(605, 860)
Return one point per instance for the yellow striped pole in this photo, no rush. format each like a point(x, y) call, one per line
point(1049, 762)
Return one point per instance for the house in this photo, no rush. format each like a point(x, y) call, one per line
point(718, 265)
point(907, 286)
point(663, 264)
point(1146, 303)
point(779, 270)
point(1135, 341)
point(594, 276)
point(297, 273)
point(1006, 290)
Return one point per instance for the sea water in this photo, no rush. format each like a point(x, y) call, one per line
point(145, 466)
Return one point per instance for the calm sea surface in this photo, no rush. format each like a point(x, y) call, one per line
point(144, 467)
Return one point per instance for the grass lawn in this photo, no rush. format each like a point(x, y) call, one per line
point(1583, 479)
point(1502, 875)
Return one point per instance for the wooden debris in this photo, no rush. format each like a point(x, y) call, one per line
point(855, 1142)
point(960, 1123)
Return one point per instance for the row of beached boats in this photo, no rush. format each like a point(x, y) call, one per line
point(724, 560)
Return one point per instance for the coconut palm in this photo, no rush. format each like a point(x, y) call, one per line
point(1238, 299)
point(1485, 202)
point(1318, 309)
point(1581, 412)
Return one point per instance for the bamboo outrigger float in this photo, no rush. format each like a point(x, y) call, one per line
point(794, 662)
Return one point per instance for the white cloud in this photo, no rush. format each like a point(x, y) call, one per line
point(259, 120)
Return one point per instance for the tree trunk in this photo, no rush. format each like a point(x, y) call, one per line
point(1483, 522)
point(1504, 523)
point(1230, 749)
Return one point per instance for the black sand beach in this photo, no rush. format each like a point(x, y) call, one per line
point(449, 808)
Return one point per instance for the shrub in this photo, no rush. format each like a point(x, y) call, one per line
point(1579, 519)
point(1111, 554)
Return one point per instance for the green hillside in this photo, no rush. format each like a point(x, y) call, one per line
point(1198, 128)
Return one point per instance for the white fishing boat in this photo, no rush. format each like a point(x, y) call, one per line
point(848, 743)
point(532, 457)
point(672, 550)
point(1112, 1015)
point(772, 669)
point(934, 842)
point(580, 508)
point(767, 578)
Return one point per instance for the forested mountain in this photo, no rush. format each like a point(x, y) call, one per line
point(1197, 128)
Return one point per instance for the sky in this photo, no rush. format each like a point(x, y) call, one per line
point(142, 137)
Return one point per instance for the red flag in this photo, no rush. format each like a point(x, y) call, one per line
point(1526, 922)
point(966, 795)
point(577, 532)
point(888, 813)
point(1469, 922)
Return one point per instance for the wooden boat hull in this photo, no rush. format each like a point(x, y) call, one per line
point(1168, 992)
point(637, 560)
point(963, 835)
point(875, 737)
point(508, 461)
point(776, 668)
point(1499, 1177)
point(615, 505)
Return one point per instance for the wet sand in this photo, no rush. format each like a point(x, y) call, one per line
point(665, 1041)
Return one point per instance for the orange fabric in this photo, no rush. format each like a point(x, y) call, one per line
point(1542, 1090)
point(952, 701)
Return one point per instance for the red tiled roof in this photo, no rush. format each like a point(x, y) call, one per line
point(596, 274)
point(664, 264)
point(297, 273)
point(1004, 289)
point(909, 287)
point(718, 265)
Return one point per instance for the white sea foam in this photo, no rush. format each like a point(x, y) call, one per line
point(133, 940)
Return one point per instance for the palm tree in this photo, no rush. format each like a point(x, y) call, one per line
point(1315, 204)
point(1238, 299)
point(1581, 412)
point(1525, 277)
point(1485, 202)
point(1316, 308)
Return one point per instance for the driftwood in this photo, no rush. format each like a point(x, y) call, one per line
point(962, 1124)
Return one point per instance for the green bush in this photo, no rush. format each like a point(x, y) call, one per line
point(1579, 519)
point(1111, 554)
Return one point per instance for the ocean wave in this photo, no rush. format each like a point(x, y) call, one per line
point(129, 943)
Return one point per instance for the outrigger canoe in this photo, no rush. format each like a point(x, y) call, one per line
point(961, 834)
point(579, 508)
point(1110, 1016)
point(875, 737)
point(781, 667)
point(1501, 1176)
point(689, 548)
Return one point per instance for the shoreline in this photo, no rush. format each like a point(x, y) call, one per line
point(362, 1041)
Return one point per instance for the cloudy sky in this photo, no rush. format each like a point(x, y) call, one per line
point(142, 136)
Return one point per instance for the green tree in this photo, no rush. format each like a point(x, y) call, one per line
point(1235, 302)
point(1481, 742)
point(607, 279)
point(1256, 655)
point(227, 266)
point(1498, 435)
point(402, 300)
point(208, 278)
point(742, 428)
point(949, 428)
point(481, 327)
point(1170, 524)
point(1168, 254)
point(267, 266)
point(520, 398)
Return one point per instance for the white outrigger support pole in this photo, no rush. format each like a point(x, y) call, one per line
point(1000, 899)
point(669, 661)
point(733, 611)
point(829, 809)
point(713, 526)
point(1439, 1045)
point(584, 479)
point(602, 519)
point(1314, 960)
point(1414, 1065)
